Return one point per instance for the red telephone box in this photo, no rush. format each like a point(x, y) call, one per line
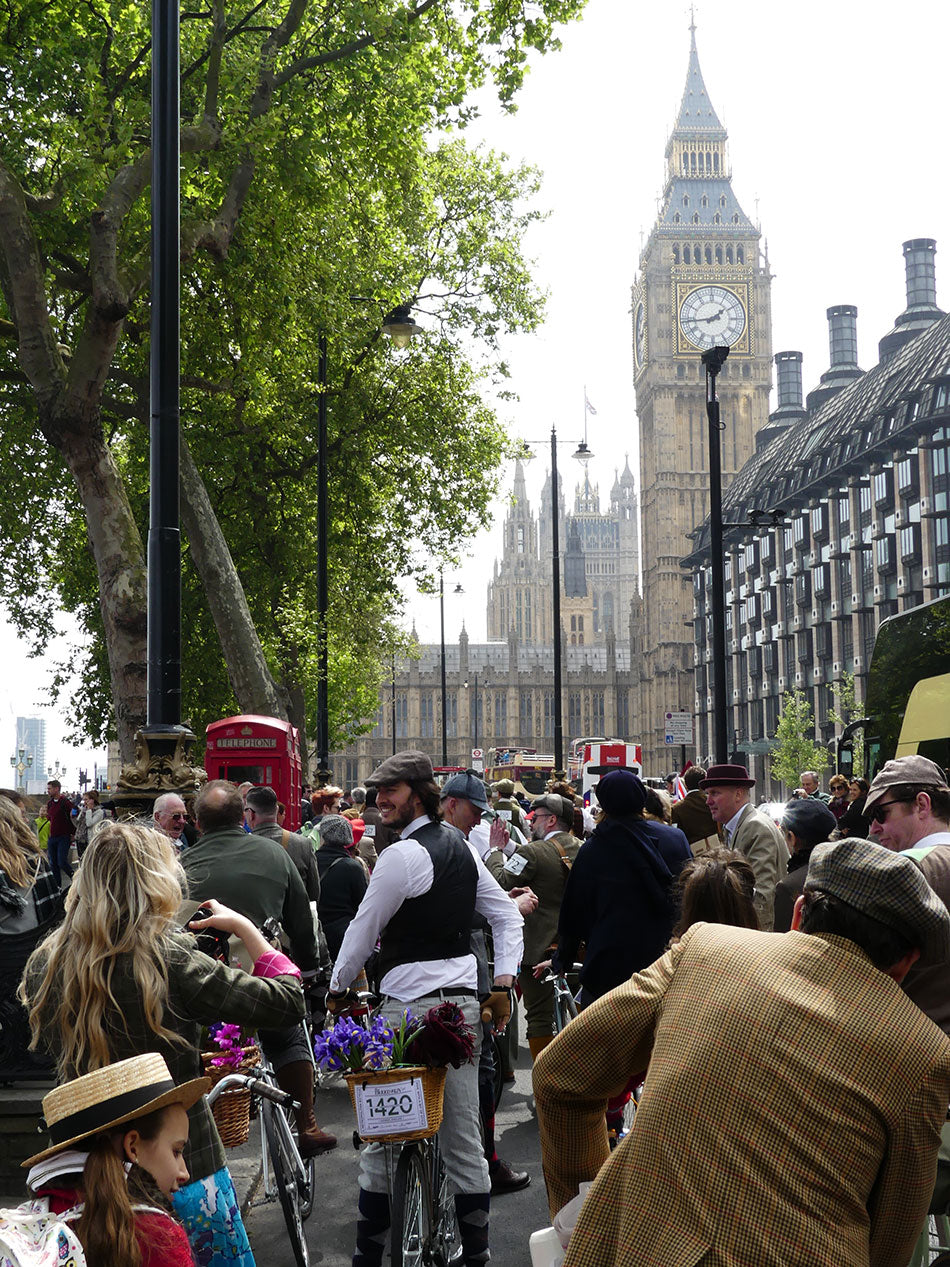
point(261, 750)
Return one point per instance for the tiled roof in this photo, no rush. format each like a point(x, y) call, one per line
point(814, 455)
point(714, 188)
point(696, 110)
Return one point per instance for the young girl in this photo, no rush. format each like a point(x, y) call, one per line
point(112, 1168)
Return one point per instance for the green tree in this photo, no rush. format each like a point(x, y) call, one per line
point(795, 747)
point(847, 709)
point(309, 174)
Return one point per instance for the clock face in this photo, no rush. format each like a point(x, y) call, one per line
point(711, 316)
point(640, 335)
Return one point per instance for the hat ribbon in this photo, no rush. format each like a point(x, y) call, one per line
point(105, 1111)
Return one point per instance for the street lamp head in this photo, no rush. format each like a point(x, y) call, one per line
point(458, 588)
point(713, 359)
point(583, 453)
point(400, 327)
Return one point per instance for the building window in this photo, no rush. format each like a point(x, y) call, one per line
point(452, 716)
point(402, 716)
point(548, 707)
point(597, 713)
point(623, 714)
point(379, 730)
point(574, 713)
point(426, 722)
point(521, 540)
point(501, 714)
point(695, 217)
point(525, 722)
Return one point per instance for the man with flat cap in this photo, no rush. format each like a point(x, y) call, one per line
point(543, 863)
point(728, 791)
point(794, 1095)
point(421, 899)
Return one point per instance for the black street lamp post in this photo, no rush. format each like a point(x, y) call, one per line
point(713, 360)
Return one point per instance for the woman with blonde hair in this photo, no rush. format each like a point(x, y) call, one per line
point(138, 983)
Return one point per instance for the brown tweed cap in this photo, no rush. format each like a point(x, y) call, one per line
point(912, 769)
point(886, 886)
point(559, 806)
point(410, 766)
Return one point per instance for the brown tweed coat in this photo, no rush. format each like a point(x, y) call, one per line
point(791, 1115)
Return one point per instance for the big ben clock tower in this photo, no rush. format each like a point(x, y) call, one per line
point(701, 283)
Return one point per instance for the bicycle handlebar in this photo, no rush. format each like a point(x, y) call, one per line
point(246, 1081)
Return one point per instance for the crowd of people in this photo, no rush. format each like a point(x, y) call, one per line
point(795, 1087)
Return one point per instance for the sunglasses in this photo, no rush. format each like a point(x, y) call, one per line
point(878, 814)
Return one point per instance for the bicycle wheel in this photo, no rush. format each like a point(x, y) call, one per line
point(411, 1228)
point(277, 1130)
point(446, 1243)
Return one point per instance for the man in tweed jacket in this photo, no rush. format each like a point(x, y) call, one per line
point(792, 1109)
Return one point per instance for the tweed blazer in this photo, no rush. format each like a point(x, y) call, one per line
point(791, 1113)
point(539, 865)
point(763, 846)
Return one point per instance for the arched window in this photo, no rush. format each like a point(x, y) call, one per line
point(718, 254)
point(717, 219)
point(735, 217)
point(705, 201)
point(722, 200)
point(695, 217)
point(686, 255)
point(676, 254)
point(715, 162)
point(708, 254)
point(692, 160)
point(745, 370)
point(685, 200)
point(728, 254)
point(685, 163)
point(681, 371)
point(676, 218)
point(740, 255)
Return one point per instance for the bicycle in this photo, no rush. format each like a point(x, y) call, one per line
point(565, 1004)
point(423, 1226)
point(285, 1175)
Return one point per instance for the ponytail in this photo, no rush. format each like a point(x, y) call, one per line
point(106, 1228)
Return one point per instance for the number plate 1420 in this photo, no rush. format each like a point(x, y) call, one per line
point(389, 1108)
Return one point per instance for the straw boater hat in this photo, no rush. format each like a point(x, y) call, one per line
point(108, 1097)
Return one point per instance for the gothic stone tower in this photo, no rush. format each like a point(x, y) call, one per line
point(701, 282)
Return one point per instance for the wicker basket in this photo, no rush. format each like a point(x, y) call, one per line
point(232, 1109)
point(433, 1085)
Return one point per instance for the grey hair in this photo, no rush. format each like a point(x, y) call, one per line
point(335, 830)
point(162, 803)
point(358, 796)
point(809, 774)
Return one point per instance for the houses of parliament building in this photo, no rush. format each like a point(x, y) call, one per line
point(854, 477)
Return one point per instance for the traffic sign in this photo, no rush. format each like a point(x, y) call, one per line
point(679, 728)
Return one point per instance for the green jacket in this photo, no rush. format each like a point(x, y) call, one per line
point(538, 866)
point(254, 876)
point(201, 991)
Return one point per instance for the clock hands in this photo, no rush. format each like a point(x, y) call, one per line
point(714, 317)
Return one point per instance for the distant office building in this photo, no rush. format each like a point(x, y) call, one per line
point(31, 737)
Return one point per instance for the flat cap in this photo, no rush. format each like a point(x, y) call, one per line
point(620, 792)
point(559, 806)
point(466, 787)
point(912, 769)
point(885, 886)
point(410, 766)
point(810, 819)
point(505, 787)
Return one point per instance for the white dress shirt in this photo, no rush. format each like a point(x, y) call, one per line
point(729, 830)
point(403, 871)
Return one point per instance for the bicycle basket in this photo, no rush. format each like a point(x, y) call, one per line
point(232, 1109)
point(433, 1085)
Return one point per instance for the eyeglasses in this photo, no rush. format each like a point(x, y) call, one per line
point(175, 817)
point(878, 814)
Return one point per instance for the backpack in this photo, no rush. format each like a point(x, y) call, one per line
point(32, 1237)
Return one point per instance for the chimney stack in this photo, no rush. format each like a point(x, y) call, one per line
point(788, 381)
point(921, 311)
point(843, 342)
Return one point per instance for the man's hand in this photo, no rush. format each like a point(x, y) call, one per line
point(498, 834)
point(341, 1002)
point(540, 969)
point(525, 899)
point(497, 1009)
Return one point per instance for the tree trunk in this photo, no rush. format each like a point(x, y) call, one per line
point(120, 564)
point(251, 679)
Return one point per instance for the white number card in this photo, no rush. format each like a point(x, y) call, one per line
point(387, 1108)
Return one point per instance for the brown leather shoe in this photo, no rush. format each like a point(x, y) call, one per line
point(504, 1179)
point(313, 1142)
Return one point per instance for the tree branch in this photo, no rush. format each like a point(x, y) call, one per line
point(22, 281)
point(305, 64)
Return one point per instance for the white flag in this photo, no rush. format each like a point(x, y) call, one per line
point(589, 407)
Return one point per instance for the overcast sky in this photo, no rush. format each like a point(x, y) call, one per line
point(835, 113)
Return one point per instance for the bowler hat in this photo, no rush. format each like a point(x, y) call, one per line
point(727, 776)
point(466, 787)
point(886, 886)
point(109, 1097)
point(912, 769)
point(410, 766)
point(621, 792)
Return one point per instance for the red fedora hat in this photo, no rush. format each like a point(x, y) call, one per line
point(727, 776)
